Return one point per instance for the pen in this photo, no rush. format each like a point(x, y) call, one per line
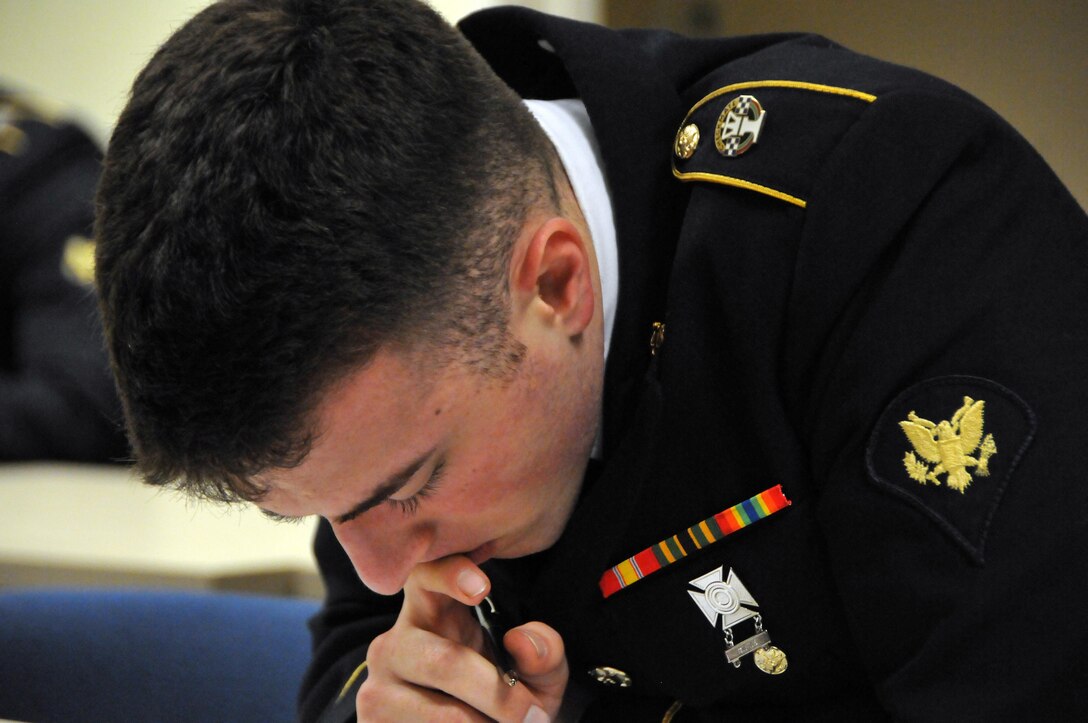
point(493, 631)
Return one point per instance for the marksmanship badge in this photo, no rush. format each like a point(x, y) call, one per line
point(730, 600)
point(739, 126)
point(947, 445)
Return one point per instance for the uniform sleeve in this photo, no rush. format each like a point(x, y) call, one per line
point(350, 618)
point(940, 320)
point(56, 395)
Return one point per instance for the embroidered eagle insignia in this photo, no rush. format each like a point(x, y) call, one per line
point(948, 445)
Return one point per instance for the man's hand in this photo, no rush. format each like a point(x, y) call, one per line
point(431, 666)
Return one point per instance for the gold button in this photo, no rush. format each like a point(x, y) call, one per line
point(607, 675)
point(687, 140)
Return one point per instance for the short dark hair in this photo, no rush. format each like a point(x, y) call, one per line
point(291, 187)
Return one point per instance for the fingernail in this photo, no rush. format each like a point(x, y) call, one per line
point(471, 582)
point(536, 715)
point(538, 644)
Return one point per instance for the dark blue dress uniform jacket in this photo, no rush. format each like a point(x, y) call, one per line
point(57, 397)
point(838, 300)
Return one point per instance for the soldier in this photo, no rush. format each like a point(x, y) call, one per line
point(56, 395)
point(730, 378)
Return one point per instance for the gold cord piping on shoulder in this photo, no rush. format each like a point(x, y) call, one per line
point(351, 680)
point(672, 711)
point(740, 183)
point(794, 84)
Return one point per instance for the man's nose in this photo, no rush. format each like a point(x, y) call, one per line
point(383, 554)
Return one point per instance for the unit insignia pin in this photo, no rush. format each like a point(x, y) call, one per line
point(739, 126)
point(730, 600)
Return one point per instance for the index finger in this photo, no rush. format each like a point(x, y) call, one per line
point(455, 577)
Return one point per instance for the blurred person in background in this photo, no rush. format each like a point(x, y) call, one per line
point(57, 400)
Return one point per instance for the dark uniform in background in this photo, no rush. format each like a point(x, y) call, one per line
point(57, 397)
point(875, 294)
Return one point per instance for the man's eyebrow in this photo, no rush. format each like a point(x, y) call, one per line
point(386, 489)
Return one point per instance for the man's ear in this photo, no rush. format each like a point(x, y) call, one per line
point(552, 273)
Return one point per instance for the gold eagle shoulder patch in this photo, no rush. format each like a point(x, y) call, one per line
point(954, 469)
point(948, 445)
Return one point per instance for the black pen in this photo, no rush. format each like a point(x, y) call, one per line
point(494, 631)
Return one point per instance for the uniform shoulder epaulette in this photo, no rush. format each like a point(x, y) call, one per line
point(765, 136)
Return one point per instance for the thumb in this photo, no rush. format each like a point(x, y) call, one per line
point(540, 661)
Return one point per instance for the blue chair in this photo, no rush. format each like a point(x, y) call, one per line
point(138, 655)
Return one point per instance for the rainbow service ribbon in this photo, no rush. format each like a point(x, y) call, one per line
point(705, 533)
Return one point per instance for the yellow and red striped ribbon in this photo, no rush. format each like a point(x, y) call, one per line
point(705, 533)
